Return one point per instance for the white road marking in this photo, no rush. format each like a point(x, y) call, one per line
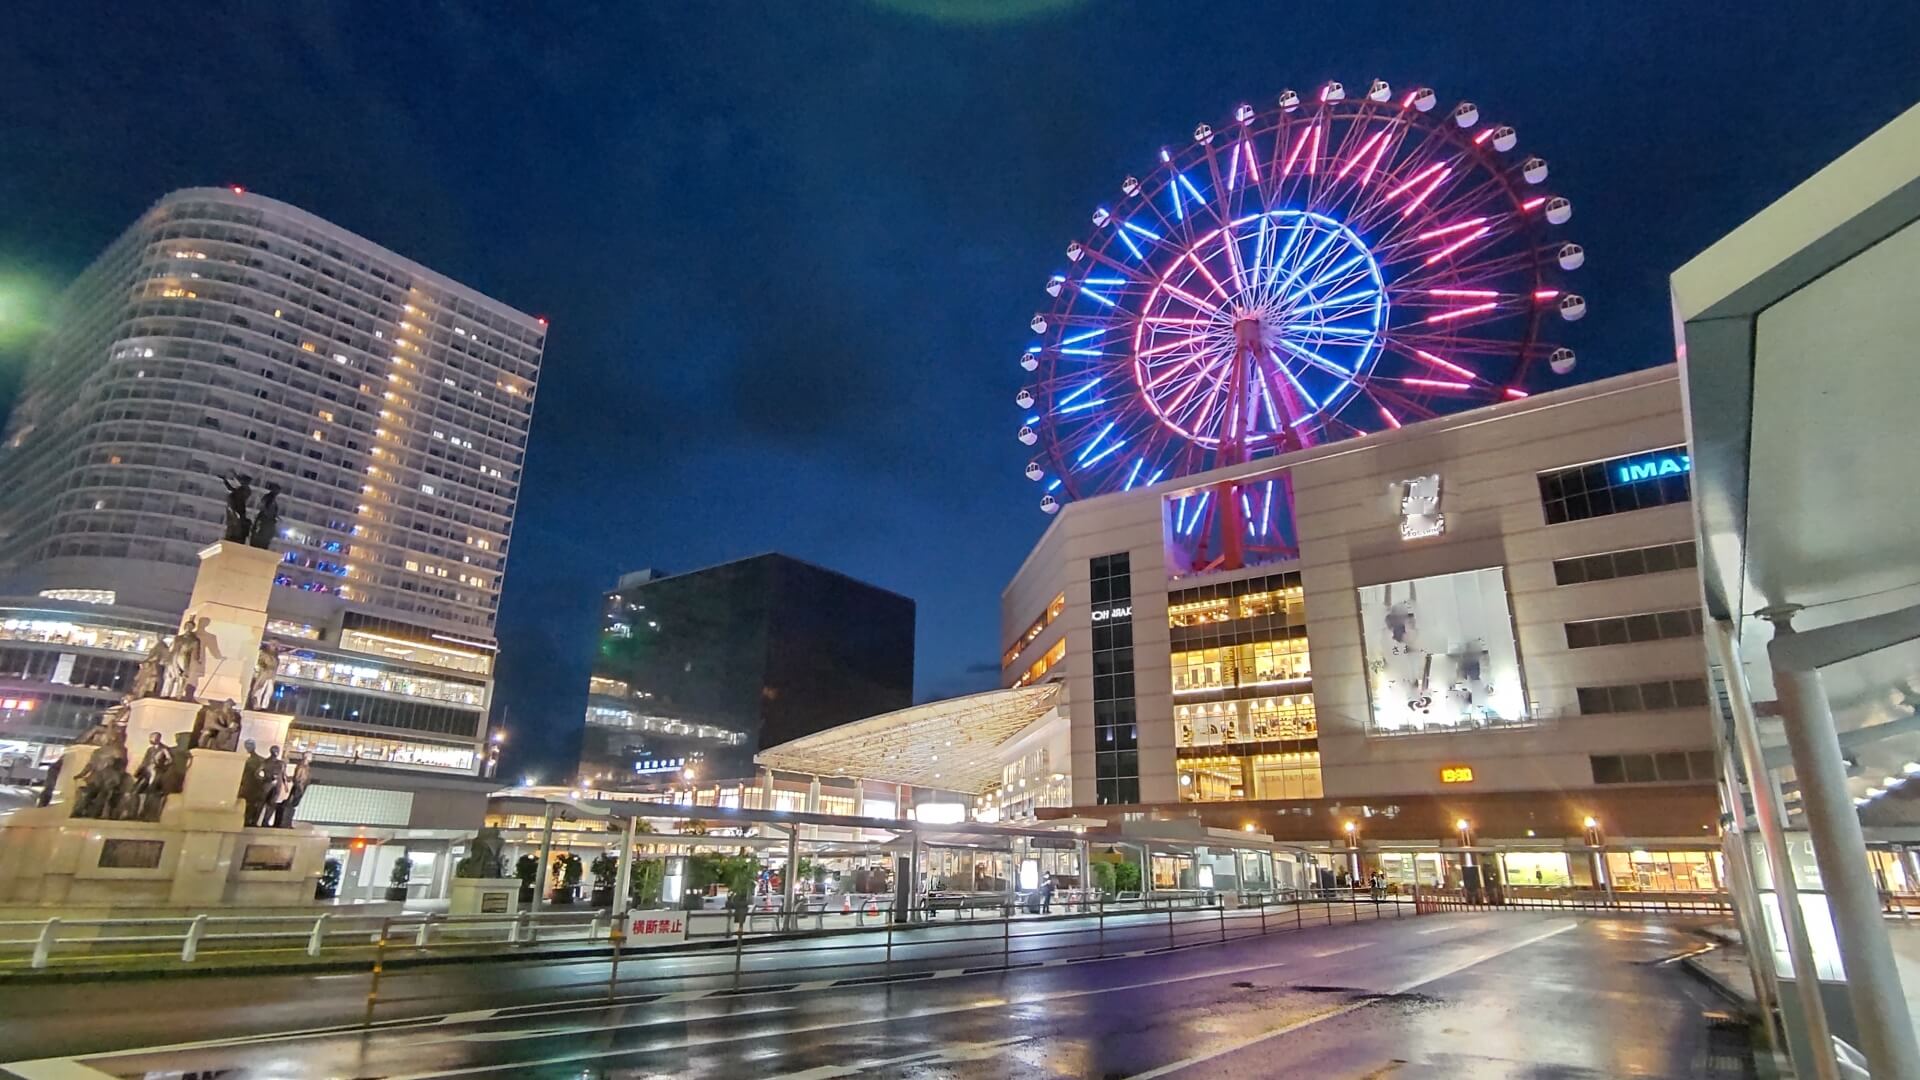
point(686, 995)
point(949, 973)
point(469, 1016)
point(952, 1054)
point(1242, 1044)
point(836, 1025)
point(1348, 948)
point(801, 988)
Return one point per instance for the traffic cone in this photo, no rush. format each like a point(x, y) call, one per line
point(846, 904)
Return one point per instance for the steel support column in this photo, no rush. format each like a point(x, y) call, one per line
point(546, 853)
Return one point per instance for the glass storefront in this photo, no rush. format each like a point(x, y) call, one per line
point(1219, 723)
point(1665, 871)
point(1255, 664)
point(310, 668)
point(418, 652)
point(1294, 775)
point(329, 746)
point(81, 634)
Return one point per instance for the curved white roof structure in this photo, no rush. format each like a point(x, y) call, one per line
point(952, 745)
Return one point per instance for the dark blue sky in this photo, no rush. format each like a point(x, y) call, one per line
point(789, 250)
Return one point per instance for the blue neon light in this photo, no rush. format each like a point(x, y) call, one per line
point(1082, 459)
point(1131, 246)
point(1082, 352)
point(1106, 281)
point(1091, 295)
point(1138, 463)
point(1191, 190)
point(1055, 484)
point(1082, 390)
point(1179, 212)
point(1117, 444)
point(1148, 233)
point(1653, 468)
point(1089, 335)
point(1082, 407)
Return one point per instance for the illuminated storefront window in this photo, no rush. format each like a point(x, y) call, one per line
point(607, 687)
point(1252, 720)
point(1044, 664)
point(82, 635)
point(307, 667)
point(287, 628)
point(1231, 667)
point(1227, 778)
point(1040, 624)
point(476, 663)
point(1665, 871)
point(329, 746)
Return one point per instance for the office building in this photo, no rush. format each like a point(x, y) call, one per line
point(227, 332)
point(1478, 627)
point(696, 672)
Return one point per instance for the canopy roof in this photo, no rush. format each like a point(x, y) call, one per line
point(951, 745)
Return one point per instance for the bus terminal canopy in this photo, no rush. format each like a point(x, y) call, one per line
point(950, 745)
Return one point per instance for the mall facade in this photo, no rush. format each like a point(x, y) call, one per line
point(1478, 629)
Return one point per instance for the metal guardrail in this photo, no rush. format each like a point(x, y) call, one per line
point(1430, 901)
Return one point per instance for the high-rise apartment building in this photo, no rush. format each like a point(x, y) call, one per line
point(226, 332)
point(700, 670)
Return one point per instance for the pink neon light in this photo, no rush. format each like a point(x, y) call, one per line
point(1253, 173)
point(1483, 136)
point(1438, 384)
point(1171, 345)
point(1461, 313)
point(1407, 102)
point(1298, 145)
point(1545, 294)
point(1177, 320)
point(1313, 156)
point(1450, 366)
point(1462, 292)
point(1190, 298)
point(1211, 280)
point(1233, 173)
point(1457, 244)
point(1533, 202)
point(1392, 420)
point(1467, 224)
point(1515, 394)
point(1417, 177)
point(1362, 152)
point(1366, 174)
point(1426, 191)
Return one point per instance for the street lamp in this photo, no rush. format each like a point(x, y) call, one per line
point(1465, 829)
point(1353, 850)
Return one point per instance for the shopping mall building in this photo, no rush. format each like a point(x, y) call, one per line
point(1482, 628)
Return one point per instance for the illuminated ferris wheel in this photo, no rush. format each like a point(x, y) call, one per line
point(1320, 269)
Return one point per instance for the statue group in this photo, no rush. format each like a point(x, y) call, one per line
point(175, 666)
point(257, 529)
point(270, 787)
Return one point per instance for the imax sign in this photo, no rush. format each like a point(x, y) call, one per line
point(1652, 468)
point(1124, 611)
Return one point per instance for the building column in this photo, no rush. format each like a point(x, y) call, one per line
point(790, 881)
point(1873, 982)
point(859, 798)
point(546, 852)
point(813, 794)
point(1770, 812)
point(766, 789)
point(623, 880)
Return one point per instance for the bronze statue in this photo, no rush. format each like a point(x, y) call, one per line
point(266, 519)
point(293, 789)
point(239, 493)
point(103, 780)
point(149, 779)
point(486, 857)
point(266, 664)
point(187, 662)
point(254, 785)
point(147, 678)
point(173, 776)
point(111, 727)
point(217, 726)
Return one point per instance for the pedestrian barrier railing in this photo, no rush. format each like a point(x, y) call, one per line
point(1666, 903)
point(332, 936)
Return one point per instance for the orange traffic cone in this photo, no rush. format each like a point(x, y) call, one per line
point(846, 904)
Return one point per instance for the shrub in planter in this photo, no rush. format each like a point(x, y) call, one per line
point(644, 881)
point(604, 868)
point(328, 885)
point(1103, 878)
point(527, 869)
point(1126, 877)
point(397, 881)
point(567, 871)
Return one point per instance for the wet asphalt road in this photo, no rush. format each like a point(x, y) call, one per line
point(1480, 995)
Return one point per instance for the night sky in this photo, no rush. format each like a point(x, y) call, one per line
point(789, 250)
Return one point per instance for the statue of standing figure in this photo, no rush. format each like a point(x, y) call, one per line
point(152, 672)
point(286, 794)
point(239, 493)
point(266, 519)
point(187, 661)
point(266, 664)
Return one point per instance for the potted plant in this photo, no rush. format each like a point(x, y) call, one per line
point(1103, 878)
point(644, 881)
point(1126, 877)
point(567, 870)
point(328, 885)
point(526, 868)
point(397, 880)
point(604, 867)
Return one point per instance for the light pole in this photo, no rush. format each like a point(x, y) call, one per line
point(493, 752)
point(1597, 840)
point(1353, 849)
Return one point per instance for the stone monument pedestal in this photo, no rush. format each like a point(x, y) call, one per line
point(200, 855)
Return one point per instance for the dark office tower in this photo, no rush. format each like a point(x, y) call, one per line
point(698, 671)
